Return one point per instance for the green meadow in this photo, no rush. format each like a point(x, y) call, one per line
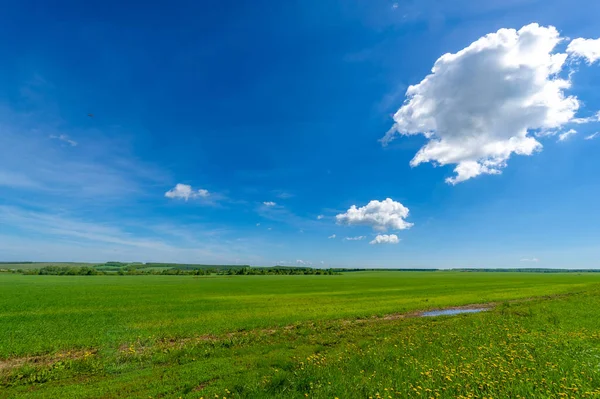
point(352, 335)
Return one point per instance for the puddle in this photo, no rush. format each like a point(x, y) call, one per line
point(452, 312)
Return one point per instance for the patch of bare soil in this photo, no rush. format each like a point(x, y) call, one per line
point(45, 360)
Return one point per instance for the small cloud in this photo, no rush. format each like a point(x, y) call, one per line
point(269, 228)
point(269, 203)
point(357, 238)
point(394, 6)
point(564, 136)
point(257, 224)
point(331, 236)
point(301, 231)
point(303, 262)
point(385, 239)
point(64, 138)
point(585, 48)
point(592, 136)
point(320, 217)
point(530, 260)
point(322, 262)
point(593, 118)
point(185, 191)
point(380, 215)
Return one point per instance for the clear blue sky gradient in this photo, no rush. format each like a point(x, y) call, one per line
point(268, 101)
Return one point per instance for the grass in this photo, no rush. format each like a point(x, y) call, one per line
point(170, 336)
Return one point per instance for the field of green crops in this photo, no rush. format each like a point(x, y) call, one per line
point(344, 336)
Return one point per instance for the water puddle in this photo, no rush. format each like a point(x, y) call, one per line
point(451, 312)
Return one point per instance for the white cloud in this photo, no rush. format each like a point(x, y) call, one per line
point(64, 138)
point(257, 224)
point(269, 203)
point(320, 217)
point(478, 105)
point(385, 239)
point(331, 236)
point(185, 191)
point(381, 215)
point(585, 48)
point(530, 260)
point(564, 136)
point(593, 118)
point(269, 228)
point(357, 238)
point(592, 136)
point(303, 262)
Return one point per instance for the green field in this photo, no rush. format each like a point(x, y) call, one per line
point(299, 336)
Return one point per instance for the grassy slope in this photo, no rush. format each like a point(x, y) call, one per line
point(42, 314)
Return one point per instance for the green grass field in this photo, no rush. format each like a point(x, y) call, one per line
point(299, 336)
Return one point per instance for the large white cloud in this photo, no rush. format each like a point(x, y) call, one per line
point(185, 191)
point(385, 239)
point(585, 48)
point(479, 105)
point(381, 215)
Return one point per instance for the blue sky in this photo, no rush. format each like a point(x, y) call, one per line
point(278, 113)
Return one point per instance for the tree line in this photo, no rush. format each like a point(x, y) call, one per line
point(135, 271)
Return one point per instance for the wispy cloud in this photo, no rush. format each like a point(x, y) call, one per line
point(64, 138)
point(535, 260)
point(564, 136)
point(58, 226)
point(106, 170)
point(282, 194)
point(588, 119)
point(131, 240)
point(331, 236)
point(17, 180)
point(280, 214)
point(592, 136)
point(357, 238)
point(269, 203)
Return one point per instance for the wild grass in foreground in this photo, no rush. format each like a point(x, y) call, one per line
point(543, 348)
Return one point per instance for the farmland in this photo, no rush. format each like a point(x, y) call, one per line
point(344, 336)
